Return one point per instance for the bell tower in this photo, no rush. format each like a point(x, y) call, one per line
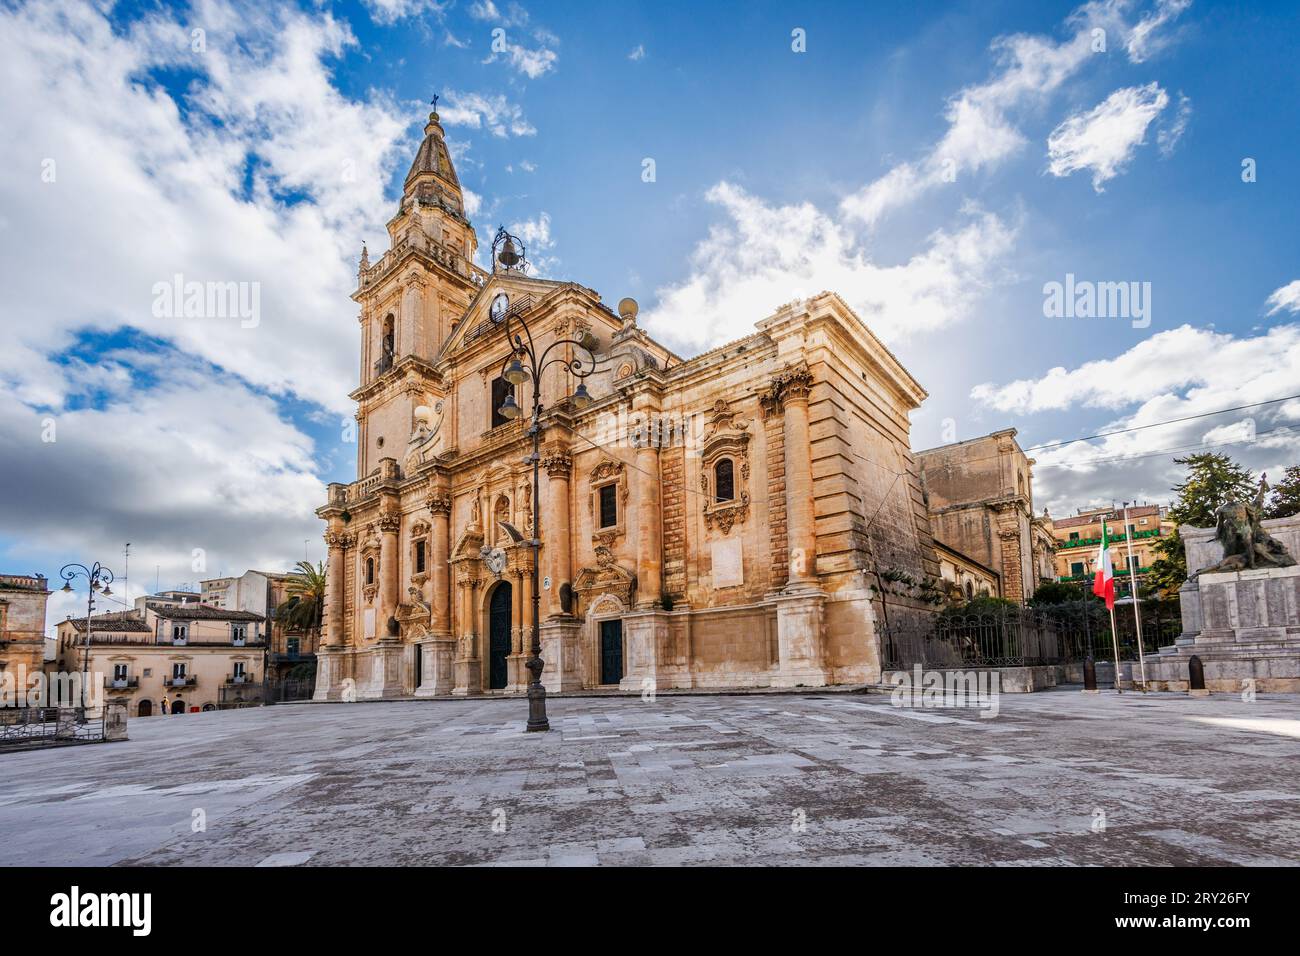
point(410, 297)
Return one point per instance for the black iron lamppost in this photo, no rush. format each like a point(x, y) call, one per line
point(99, 579)
point(523, 364)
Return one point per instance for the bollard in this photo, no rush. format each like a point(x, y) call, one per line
point(1196, 678)
point(1089, 675)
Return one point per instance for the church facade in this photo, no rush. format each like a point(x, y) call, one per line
point(739, 518)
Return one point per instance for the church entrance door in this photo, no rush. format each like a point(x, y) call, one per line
point(611, 651)
point(498, 636)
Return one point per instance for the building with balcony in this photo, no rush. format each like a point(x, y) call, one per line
point(22, 625)
point(705, 522)
point(172, 658)
point(1079, 536)
point(979, 495)
point(291, 652)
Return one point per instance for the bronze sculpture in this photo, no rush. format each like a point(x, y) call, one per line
point(1246, 545)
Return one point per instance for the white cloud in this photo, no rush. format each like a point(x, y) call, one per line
point(1173, 375)
point(1105, 138)
point(172, 185)
point(981, 132)
point(487, 11)
point(1169, 136)
point(151, 466)
point(1287, 297)
point(260, 172)
point(493, 113)
point(1146, 38)
point(530, 61)
point(1180, 358)
point(386, 12)
point(764, 255)
point(638, 53)
point(536, 235)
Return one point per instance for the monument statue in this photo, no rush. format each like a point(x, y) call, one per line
point(1246, 545)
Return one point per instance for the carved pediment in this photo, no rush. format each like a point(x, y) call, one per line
point(469, 545)
point(607, 577)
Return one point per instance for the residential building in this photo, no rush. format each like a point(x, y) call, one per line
point(191, 656)
point(1078, 538)
point(291, 652)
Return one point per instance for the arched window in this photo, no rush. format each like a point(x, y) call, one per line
point(500, 389)
point(724, 480)
point(370, 570)
point(970, 591)
point(389, 345)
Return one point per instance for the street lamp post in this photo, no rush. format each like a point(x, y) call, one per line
point(99, 578)
point(522, 364)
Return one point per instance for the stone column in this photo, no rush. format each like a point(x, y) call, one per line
point(439, 568)
point(336, 541)
point(439, 649)
point(389, 523)
point(800, 613)
point(801, 528)
point(516, 675)
point(555, 514)
point(468, 667)
point(649, 521)
point(517, 611)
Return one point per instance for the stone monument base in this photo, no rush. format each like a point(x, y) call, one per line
point(1243, 625)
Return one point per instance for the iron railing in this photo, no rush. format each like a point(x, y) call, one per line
point(22, 727)
point(1026, 637)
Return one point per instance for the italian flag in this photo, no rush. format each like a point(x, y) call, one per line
point(1103, 585)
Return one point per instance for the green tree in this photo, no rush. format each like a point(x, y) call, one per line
point(1284, 502)
point(1055, 592)
point(302, 609)
point(1212, 479)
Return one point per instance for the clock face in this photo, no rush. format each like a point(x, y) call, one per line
point(499, 306)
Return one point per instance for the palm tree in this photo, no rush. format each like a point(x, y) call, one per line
point(303, 608)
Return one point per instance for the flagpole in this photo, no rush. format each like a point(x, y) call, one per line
point(1133, 593)
point(1103, 559)
point(1114, 641)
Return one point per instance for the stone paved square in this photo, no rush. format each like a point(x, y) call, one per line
point(680, 780)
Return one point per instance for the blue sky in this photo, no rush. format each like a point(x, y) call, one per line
point(935, 164)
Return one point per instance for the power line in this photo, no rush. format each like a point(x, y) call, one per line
point(1166, 451)
point(1170, 421)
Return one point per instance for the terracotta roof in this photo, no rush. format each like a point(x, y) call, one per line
point(117, 622)
point(201, 612)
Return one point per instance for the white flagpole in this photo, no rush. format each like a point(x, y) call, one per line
point(1133, 589)
point(1114, 639)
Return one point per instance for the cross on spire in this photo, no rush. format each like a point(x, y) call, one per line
point(434, 102)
